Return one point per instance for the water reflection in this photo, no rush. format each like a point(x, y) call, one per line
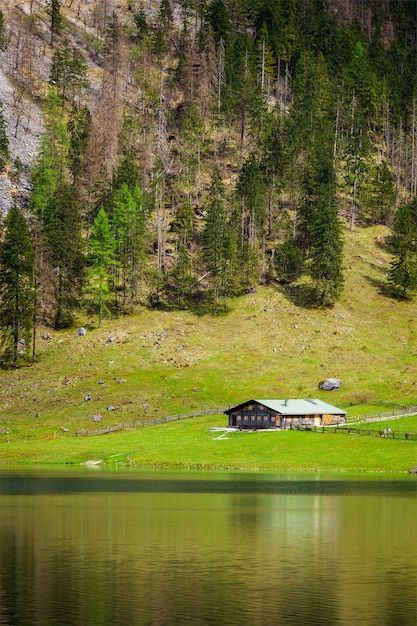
point(183, 556)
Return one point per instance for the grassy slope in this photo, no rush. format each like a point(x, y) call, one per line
point(266, 346)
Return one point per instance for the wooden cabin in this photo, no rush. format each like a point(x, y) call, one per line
point(261, 414)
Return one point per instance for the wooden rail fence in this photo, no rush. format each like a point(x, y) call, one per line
point(370, 432)
point(152, 422)
point(355, 425)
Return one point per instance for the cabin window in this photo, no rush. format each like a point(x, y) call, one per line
point(246, 418)
point(238, 418)
point(258, 418)
point(272, 418)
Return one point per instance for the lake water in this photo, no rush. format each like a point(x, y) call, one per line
point(100, 548)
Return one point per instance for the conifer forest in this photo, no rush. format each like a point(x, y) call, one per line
point(191, 150)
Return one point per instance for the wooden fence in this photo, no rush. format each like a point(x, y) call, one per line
point(384, 416)
point(370, 432)
point(152, 422)
point(354, 423)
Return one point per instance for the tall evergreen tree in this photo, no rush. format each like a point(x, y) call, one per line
point(68, 72)
point(215, 239)
point(2, 31)
point(4, 141)
point(63, 232)
point(128, 222)
point(101, 256)
point(180, 280)
point(54, 11)
point(79, 127)
point(383, 196)
point(17, 260)
point(52, 163)
point(319, 222)
point(165, 14)
point(251, 190)
point(402, 275)
point(326, 256)
point(141, 24)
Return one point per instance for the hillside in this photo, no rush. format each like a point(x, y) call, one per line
point(157, 363)
point(209, 189)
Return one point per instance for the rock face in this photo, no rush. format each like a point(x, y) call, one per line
point(23, 119)
point(330, 384)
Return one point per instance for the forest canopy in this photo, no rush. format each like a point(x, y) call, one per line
point(192, 152)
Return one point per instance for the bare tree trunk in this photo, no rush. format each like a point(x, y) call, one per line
point(353, 202)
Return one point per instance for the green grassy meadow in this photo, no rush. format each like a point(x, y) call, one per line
point(190, 444)
point(268, 345)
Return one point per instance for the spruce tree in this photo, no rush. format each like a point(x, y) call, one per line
point(165, 15)
point(382, 196)
point(17, 260)
point(289, 261)
point(127, 218)
point(319, 221)
point(101, 257)
point(63, 233)
point(2, 31)
point(251, 190)
point(326, 255)
point(79, 127)
point(141, 23)
point(215, 238)
point(68, 72)
point(54, 12)
point(402, 275)
point(52, 164)
point(4, 141)
point(180, 280)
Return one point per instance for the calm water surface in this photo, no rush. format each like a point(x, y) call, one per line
point(95, 548)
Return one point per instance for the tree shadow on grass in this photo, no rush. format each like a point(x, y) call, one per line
point(381, 284)
point(304, 295)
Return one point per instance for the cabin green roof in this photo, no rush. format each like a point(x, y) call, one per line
point(295, 407)
point(302, 407)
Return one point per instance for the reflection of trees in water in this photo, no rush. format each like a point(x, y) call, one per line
point(204, 558)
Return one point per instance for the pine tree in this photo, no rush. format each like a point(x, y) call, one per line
point(68, 72)
point(165, 14)
point(326, 257)
point(382, 196)
point(2, 31)
point(54, 12)
point(181, 279)
point(128, 220)
point(62, 228)
point(289, 261)
point(101, 249)
point(112, 34)
point(318, 221)
point(17, 261)
point(79, 127)
point(215, 238)
point(52, 163)
point(4, 141)
point(402, 275)
point(141, 23)
point(251, 190)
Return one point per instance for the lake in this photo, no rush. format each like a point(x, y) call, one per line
point(159, 548)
